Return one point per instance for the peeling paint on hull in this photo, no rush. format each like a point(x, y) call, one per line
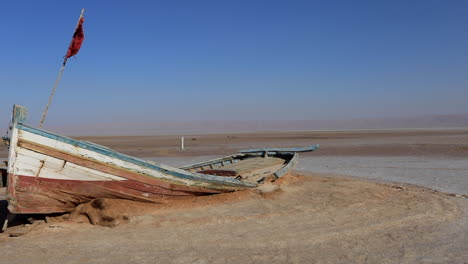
point(46, 175)
point(49, 173)
point(43, 195)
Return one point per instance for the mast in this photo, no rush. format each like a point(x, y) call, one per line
point(57, 81)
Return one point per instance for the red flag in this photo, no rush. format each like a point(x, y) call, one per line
point(77, 40)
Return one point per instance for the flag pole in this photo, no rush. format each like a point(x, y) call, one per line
point(57, 81)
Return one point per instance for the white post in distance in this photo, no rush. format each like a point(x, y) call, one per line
point(182, 143)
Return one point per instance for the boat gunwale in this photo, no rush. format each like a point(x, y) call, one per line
point(288, 165)
point(212, 161)
point(213, 179)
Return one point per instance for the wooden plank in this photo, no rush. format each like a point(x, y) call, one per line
point(117, 171)
point(261, 173)
point(35, 164)
point(20, 113)
point(293, 162)
point(214, 162)
point(107, 155)
point(249, 165)
point(301, 149)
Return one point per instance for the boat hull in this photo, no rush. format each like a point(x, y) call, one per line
point(48, 173)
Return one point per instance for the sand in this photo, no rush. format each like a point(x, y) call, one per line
point(312, 219)
point(316, 215)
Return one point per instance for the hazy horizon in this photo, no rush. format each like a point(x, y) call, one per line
point(427, 122)
point(181, 61)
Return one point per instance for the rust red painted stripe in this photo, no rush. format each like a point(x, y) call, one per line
point(43, 195)
point(117, 171)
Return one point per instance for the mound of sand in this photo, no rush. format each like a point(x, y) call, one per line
point(313, 219)
point(113, 212)
point(349, 198)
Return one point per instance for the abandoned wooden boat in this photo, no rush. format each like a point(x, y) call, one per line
point(49, 173)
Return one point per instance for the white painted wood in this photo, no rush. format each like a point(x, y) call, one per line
point(33, 164)
point(55, 144)
point(12, 149)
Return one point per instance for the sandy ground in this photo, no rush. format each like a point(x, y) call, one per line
point(321, 217)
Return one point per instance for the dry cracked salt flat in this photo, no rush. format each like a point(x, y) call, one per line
point(446, 174)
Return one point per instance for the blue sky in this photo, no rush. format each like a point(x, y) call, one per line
point(159, 61)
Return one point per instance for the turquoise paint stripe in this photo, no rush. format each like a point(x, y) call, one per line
point(212, 162)
point(111, 153)
point(301, 149)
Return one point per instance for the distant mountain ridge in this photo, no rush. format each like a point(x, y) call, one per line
point(226, 126)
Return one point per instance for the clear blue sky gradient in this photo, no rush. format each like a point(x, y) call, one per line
point(235, 60)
